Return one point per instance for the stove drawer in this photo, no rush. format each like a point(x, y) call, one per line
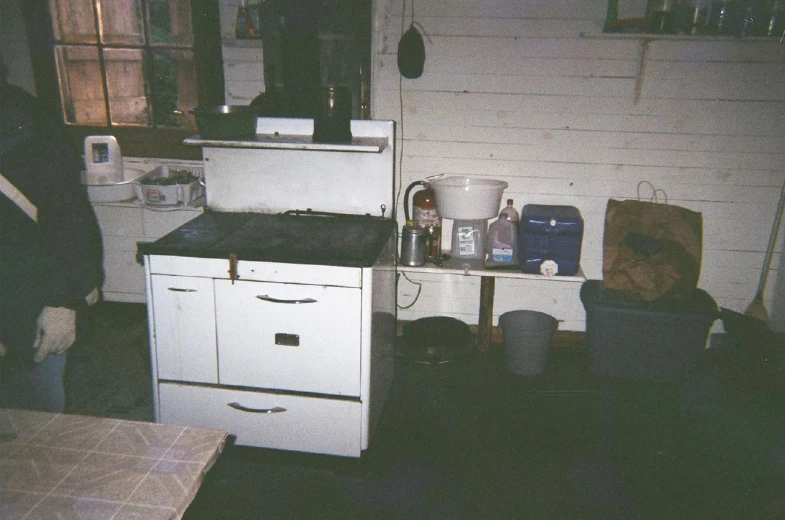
point(256, 271)
point(296, 423)
point(304, 338)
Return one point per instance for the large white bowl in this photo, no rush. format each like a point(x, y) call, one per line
point(113, 192)
point(466, 198)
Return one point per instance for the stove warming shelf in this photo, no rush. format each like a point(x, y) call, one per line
point(294, 142)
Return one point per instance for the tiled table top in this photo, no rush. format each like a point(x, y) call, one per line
point(77, 467)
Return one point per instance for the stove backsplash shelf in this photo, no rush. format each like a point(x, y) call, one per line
point(296, 134)
point(282, 168)
point(295, 142)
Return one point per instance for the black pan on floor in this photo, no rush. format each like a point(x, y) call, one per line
point(435, 339)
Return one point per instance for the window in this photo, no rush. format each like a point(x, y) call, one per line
point(134, 69)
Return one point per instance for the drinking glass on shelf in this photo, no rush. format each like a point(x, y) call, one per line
point(661, 16)
point(725, 17)
point(775, 27)
point(697, 17)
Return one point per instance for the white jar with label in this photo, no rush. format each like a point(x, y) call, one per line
point(468, 241)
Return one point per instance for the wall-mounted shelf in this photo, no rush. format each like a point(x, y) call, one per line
point(454, 266)
point(242, 43)
point(294, 142)
point(646, 38)
point(676, 37)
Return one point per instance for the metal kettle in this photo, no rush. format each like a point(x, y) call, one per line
point(413, 239)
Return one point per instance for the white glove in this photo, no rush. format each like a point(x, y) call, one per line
point(93, 297)
point(55, 332)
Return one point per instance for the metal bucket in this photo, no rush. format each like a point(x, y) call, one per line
point(528, 336)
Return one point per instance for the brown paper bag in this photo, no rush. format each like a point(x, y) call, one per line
point(651, 250)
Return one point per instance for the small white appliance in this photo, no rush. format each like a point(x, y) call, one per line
point(103, 160)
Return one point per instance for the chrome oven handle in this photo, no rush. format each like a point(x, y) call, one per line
point(238, 406)
point(266, 298)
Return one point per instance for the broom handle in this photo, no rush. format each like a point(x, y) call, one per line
point(772, 240)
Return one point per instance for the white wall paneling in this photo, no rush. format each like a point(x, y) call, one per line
point(243, 74)
point(516, 91)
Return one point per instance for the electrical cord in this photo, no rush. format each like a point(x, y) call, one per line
point(400, 153)
point(400, 118)
point(416, 296)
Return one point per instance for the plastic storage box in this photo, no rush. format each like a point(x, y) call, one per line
point(649, 341)
point(165, 186)
point(550, 233)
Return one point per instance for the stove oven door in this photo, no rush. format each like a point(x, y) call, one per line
point(295, 337)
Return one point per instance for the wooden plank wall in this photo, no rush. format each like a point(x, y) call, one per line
point(517, 90)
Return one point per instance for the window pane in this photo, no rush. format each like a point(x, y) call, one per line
point(73, 21)
point(170, 22)
point(174, 88)
point(121, 22)
point(81, 87)
point(125, 80)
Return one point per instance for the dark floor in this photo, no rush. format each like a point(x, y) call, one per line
point(468, 440)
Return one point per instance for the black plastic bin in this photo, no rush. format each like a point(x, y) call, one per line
point(650, 341)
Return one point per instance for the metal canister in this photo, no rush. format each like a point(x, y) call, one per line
point(413, 240)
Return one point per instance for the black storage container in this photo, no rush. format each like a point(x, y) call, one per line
point(550, 233)
point(648, 341)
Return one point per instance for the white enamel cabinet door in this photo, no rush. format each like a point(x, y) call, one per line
point(303, 338)
point(184, 317)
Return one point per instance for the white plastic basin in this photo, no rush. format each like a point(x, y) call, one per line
point(113, 192)
point(466, 198)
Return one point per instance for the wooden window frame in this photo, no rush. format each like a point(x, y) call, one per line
point(134, 141)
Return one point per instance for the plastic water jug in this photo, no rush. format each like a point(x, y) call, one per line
point(502, 246)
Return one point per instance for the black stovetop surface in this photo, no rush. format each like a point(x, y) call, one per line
point(344, 240)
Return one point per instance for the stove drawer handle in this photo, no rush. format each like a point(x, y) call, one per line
point(266, 298)
point(238, 406)
point(178, 289)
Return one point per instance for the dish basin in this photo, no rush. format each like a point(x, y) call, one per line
point(114, 192)
point(466, 198)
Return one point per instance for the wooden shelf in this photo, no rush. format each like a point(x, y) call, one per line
point(453, 266)
point(677, 37)
point(294, 142)
point(247, 43)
